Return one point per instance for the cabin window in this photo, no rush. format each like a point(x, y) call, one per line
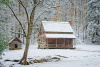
point(16, 46)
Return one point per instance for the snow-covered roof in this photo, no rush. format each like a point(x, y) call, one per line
point(52, 26)
point(60, 36)
point(14, 39)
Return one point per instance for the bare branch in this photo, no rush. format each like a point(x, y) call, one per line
point(16, 32)
point(71, 2)
point(32, 13)
point(75, 5)
point(24, 9)
point(40, 16)
point(30, 26)
point(17, 20)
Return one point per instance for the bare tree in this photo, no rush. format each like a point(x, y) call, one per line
point(30, 23)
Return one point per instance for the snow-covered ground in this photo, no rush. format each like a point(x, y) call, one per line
point(82, 56)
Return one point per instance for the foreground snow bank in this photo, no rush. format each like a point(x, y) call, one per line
point(82, 56)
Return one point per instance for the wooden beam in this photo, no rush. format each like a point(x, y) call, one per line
point(68, 43)
point(56, 42)
point(59, 32)
point(74, 43)
point(47, 43)
point(64, 43)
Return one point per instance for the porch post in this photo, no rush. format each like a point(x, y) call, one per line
point(56, 42)
point(68, 43)
point(64, 42)
point(74, 43)
point(47, 43)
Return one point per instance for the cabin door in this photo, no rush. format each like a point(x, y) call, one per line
point(16, 46)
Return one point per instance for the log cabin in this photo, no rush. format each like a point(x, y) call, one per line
point(15, 44)
point(56, 35)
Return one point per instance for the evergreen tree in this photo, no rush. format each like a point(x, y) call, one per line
point(3, 43)
point(3, 36)
point(93, 20)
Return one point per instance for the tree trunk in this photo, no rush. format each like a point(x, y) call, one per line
point(29, 32)
point(23, 39)
point(24, 58)
point(26, 50)
point(93, 38)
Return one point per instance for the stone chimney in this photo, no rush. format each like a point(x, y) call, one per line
point(70, 23)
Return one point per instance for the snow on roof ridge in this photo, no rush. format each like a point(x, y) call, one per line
point(13, 39)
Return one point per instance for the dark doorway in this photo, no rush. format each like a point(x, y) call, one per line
point(16, 46)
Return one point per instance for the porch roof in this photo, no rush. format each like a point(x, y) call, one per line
point(60, 36)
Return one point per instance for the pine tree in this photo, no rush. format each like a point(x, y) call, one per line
point(93, 20)
point(3, 40)
point(3, 43)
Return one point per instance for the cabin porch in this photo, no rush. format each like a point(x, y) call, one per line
point(58, 43)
